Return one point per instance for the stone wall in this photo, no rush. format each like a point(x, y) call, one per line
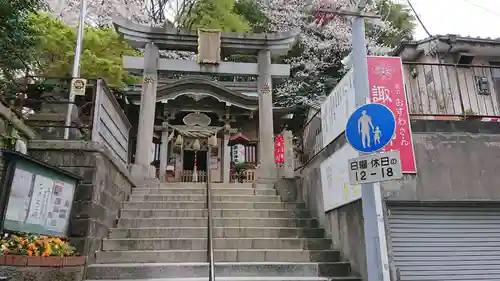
point(17, 273)
point(98, 198)
point(456, 160)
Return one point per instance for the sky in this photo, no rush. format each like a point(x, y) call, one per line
point(463, 17)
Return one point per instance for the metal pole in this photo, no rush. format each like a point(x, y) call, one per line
point(76, 64)
point(210, 245)
point(361, 89)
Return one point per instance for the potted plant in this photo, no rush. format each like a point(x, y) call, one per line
point(239, 170)
point(37, 250)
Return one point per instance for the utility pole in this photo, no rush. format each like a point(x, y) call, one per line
point(76, 64)
point(361, 88)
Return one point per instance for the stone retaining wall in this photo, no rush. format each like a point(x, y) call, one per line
point(98, 198)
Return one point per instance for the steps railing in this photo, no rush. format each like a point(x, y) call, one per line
point(210, 247)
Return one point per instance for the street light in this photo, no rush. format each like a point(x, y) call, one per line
point(76, 65)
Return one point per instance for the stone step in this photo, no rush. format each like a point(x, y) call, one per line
point(127, 244)
point(260, 278)
point(226, 213)
point(243, 255)
point(217, 222)
point(213, 185)
point(215, 205)
point(203, 198)
point(202, 191)
point(218, 232)
point(190, 270)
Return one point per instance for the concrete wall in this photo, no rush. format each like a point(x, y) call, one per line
point(343, 225)
point(456, 160)
point(98, 198)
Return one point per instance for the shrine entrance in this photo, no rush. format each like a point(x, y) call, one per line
point(194, 161)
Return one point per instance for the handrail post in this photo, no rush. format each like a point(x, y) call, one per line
point(210, 247)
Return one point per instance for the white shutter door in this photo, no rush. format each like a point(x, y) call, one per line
point(435, 243)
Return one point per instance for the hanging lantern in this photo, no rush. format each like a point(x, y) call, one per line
point(212, 141)
point(179, 140)
point(196, 145)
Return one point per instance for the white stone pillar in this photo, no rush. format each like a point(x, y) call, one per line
point(226, 163)
point(267, 168)
point(164, 153)
point(147, 111)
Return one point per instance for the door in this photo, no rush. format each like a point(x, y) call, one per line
point(445, 243)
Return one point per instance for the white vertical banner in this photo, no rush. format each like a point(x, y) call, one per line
point(335, 179)
point(337, 108)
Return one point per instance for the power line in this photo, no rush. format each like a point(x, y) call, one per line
point(482, 7)
point(418, 18)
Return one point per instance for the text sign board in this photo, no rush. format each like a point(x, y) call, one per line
point(335, 185)
point(386, 81)
point(39, 197)
point(370, 127)
point(375, 168)
point(336, 108)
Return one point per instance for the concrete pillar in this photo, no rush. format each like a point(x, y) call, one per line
point(147, 111)
point(267, 168)
point(164, 154)
point(226, 163)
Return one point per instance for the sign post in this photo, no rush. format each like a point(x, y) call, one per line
point(375, 168)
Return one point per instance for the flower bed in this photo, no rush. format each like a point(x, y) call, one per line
point(37, 250)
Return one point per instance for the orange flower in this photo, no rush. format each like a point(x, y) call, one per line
point(30, 253)
point(45, 254)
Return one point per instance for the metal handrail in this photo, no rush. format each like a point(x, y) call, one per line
point(210, 246)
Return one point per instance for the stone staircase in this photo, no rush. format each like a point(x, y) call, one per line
point(162, 235)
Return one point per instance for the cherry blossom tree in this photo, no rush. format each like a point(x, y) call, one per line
point(316, 60)
point(99, 12)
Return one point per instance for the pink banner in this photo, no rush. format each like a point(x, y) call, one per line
point(385, 77)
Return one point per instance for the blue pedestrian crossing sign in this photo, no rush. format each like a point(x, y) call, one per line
point(370, 127)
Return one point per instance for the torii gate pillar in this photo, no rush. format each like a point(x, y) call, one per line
point(141, 167)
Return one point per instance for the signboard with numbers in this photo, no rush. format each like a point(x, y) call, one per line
point(335, 186)
point(375, 168)
point(386, 80)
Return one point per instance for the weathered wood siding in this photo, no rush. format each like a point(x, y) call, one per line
point(110, 126)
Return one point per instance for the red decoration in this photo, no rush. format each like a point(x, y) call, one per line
point(385, 76)
point(279, 149)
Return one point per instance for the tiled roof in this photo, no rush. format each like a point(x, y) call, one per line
point(458, 38)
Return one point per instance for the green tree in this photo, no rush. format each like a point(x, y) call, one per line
point(401, 19)
point(213, 14)
point(250, 10)
point(101, 57)
point(17, 36)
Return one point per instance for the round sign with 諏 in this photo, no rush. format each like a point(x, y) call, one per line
point(370, 127)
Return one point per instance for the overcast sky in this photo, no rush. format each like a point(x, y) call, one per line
point(463, 17)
